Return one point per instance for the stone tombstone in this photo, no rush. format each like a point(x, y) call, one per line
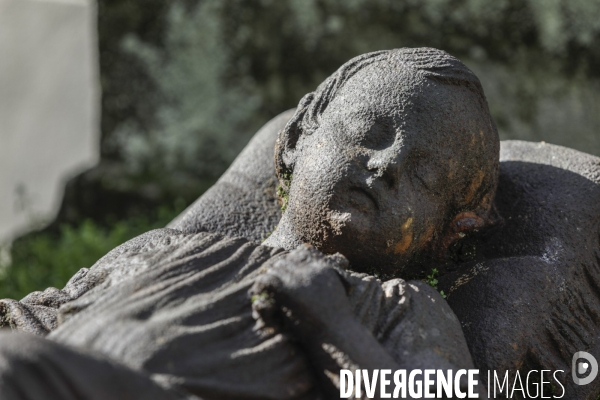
point(49, 105)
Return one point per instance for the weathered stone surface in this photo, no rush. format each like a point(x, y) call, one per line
point(243, 202)
point(533, 284)
point(35, 368)
point(177, 308)
point(531, 299)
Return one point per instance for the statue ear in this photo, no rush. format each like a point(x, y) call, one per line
point(467, 222)
point(285, 147)
point(462, 224)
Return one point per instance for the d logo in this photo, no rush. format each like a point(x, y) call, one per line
point(583, 367)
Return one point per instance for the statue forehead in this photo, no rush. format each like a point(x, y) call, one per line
point(393, 94)
point(380, 87)
point(395, 90)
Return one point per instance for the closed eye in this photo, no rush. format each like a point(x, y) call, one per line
point(380, 135)
point(362, 196)
point(425, 176)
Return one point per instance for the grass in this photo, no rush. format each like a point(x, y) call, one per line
point(43, 260)
point(283, 193)
point(283, 197)
point(432, 280)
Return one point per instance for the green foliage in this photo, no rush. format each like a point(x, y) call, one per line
point(283, 190)
point(185, 83)
point(263, 297)
point(204, 120)
point(432, 278)
point(47, 260)
point(432, 281)
point(222, 67)
point(128, 93)
point(283, 197)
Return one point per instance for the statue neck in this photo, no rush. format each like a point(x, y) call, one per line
point(284, 235)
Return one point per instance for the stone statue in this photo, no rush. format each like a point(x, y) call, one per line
point(388, 170)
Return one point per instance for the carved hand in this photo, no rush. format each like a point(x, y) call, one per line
point(304, 293)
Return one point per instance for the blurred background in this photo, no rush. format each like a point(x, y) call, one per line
point(117, 114)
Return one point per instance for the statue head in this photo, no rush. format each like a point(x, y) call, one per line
point(390, 161)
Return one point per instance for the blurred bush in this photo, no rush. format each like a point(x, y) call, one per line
point(220, 68)
point(186, 83)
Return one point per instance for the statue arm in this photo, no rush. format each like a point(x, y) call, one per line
point(323, 311)
point(307, 297)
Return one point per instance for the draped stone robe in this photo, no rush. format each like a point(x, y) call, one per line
point(176, 306)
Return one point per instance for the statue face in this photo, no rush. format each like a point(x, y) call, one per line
point(377, 179)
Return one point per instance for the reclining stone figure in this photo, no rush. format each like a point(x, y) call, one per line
point(505, 294)
point(392, 162)
point(525, 292)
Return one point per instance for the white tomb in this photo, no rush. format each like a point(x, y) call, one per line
point(49, 106)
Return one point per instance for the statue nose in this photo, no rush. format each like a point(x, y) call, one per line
point(382, 159)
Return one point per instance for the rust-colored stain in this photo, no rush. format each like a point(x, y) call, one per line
point(427, 236)
point(519, 364)
point(403, 245)
point(452, 168)
point(474, 139)
point(407, 237)
point(474, 186)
